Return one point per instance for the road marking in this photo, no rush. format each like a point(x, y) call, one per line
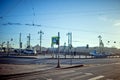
point(63, 72)
point(88, 73)
point(49, 79)
point(59, 73)
point(116, 63)
point(44, 69)
point(78, 77)
point(109, 79)
point(95, 78)
point(71, 74)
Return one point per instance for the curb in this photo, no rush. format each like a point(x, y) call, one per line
point(76, 66)
point(18, 57)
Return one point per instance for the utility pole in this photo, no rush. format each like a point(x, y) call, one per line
point(70, 43)
point(20, 43)
point(11, 42)
point(41, 33)
point(99, 39)
point(101, 45)
point(28, 42)
point(69, 39)
point(100, 42)
point(65, 50)
point(7, 48)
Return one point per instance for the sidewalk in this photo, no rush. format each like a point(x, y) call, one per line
point(8, 69)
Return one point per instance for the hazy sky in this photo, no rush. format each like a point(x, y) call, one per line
point(86, 19)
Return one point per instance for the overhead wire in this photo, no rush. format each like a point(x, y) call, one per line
point(55, 27)
point(58, 27)
point(11, 8)
point(90, 13)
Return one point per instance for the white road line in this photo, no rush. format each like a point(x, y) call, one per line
point(71, 74)
point(96, 78)
point(44, 69)
point(63, 72)
point(49, 79)
point(78, 77)
point(109, 79)
point(116, 63)
point(88, 73)
point(59, 73)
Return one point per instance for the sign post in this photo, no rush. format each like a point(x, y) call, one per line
point(58, 65)
point(56, 40)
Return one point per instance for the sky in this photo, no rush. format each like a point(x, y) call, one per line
point(85, 19)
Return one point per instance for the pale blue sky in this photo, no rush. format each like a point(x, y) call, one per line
point(86, 19)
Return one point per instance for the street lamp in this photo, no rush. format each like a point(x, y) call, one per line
point(41, 33)
point(70, 44)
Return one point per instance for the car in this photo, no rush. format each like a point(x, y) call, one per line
point(29, 51)
point(97, 54)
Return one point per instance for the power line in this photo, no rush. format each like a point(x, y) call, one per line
point(9, 23)
point(90, 13)
point(80, 30)
point(12, 8)
point(58, 27)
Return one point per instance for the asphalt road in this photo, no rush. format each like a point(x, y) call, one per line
point(29, 60)
point(93, 72)
point(94, 69)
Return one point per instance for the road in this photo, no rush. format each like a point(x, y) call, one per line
point(93, 69)
point(92, 72)
point(33, 60)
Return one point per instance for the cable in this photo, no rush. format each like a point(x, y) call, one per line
point(83, 13)
point(12, 8)
point(26, 24)
point(73, 29)
point(57, 27)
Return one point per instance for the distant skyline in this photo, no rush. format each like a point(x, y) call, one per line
point(86, 19)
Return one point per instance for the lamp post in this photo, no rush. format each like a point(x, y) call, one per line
point(100, 43)
point(70, 44)
point(41, 33)
point(7, 48)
